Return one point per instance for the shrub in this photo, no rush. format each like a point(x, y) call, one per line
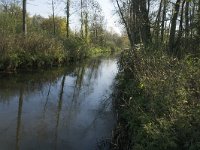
point(76, 47)
point(34, 50)
point(159, 101)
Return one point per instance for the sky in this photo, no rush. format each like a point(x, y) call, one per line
point(43, 8)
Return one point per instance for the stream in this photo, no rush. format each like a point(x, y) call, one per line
point(66, 108)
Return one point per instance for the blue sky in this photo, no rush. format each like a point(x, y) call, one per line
point(43, 8)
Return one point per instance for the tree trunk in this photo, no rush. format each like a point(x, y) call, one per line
point(82, 20)
point(86, 27)
point(187, 20)
point(145, 26)
point(68, 15)
point(127, 27)
point(148, 4)
point(187, 31)
point(24, 26)
point(180, 33)
point(192, 18)
point(53, 15)
point(163, 20)
point(158, 21)
point(173, 28)
point(198, 23)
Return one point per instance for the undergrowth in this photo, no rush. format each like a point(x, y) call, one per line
point(158, 101)
point(34, 50)
point(40, 50)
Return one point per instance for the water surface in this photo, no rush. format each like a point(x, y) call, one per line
point(60, 109)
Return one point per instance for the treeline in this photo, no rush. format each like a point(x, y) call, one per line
point(174, 24)
point(158, 86)
point(31, 42)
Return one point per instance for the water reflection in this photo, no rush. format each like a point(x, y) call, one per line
point(19, 117)
point(65, 108)
point(60, 101)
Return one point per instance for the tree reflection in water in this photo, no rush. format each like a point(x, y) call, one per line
point(59, 107)
point(19, 118)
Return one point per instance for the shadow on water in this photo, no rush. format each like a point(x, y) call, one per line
point(63, 108)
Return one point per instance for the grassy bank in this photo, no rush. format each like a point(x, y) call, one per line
point(158, 104)
point(38, 50)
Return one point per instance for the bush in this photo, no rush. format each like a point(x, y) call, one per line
point(159, 101)
point(76, 47)
point(34, 50)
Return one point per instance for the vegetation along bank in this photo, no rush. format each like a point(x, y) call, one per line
point(28, 42)
point(157, 90)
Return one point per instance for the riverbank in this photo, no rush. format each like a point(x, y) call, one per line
point(157, 98)
point(42, 51)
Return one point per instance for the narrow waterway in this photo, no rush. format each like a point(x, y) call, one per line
point(59, 109)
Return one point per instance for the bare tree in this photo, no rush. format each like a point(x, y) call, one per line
point(5, 4)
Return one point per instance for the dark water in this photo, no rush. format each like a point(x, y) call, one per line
point(61, 109)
